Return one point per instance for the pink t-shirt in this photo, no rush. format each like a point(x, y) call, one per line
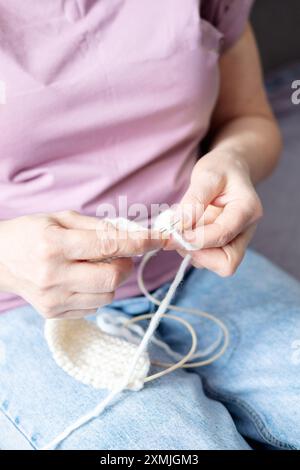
point(107, 98)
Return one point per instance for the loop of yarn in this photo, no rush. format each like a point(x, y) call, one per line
point(138, 359)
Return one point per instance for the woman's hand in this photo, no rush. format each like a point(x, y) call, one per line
point(220, 210)
point(245, 144)
point(62, 263)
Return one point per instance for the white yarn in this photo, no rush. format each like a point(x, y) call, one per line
point(119, 325)
point(139, 361)
point(165, 222)
point(157, 317)
point(114, 325)
point(191, 311)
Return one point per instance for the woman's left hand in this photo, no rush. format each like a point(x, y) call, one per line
point(219, 212)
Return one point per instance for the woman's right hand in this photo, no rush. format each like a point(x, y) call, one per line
point(65, 264)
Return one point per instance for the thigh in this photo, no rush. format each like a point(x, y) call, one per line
point(39, 400)
point(258, 377)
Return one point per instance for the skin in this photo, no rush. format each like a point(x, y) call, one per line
point(245, 145)
point(59, 262)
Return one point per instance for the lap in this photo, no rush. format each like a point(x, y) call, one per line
point(258, 378)
point(39, 400)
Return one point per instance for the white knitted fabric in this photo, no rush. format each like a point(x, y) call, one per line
point(93, 357)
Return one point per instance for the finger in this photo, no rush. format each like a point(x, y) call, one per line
point(93, 278)
point(108, 242)
point(73, 314)
point(234, 219)
point(224, 261)
point(196, 235)
point(194, 260)
point(210, 214)
point(235, 250)
point(204, 188)
point(74, 220)
point(88, 301)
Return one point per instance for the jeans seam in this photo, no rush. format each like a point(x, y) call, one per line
point(258, 422)
point(18, 428)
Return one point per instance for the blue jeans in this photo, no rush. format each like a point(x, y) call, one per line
point(250, 395)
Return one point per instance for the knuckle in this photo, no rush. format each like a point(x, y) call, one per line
point(48, 309)
point(211, 176)
point(255, 207)
point(66, 214)
point(47, 246)
point(142, 245)
point(230, 266)
point(44, 276)
point(46, 250)
point(109, 245)
point(47, 314)
point(107, 299)
point(226, 271)
point(225, 237)
point(196, 263)
point(115, 279)
point(105, 224)
point(259, 210)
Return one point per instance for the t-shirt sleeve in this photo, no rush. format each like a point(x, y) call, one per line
point(228, 16)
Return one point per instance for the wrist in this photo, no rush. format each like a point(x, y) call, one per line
point(253, 140)
point(233, 159)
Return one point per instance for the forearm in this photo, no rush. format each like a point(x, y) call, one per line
point(253, 140)
point(243, 125)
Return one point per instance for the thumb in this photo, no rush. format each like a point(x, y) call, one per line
point(204, 187)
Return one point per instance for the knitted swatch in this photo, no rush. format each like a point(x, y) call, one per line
point(93, 357)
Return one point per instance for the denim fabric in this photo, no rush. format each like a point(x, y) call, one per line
point(250, 394)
